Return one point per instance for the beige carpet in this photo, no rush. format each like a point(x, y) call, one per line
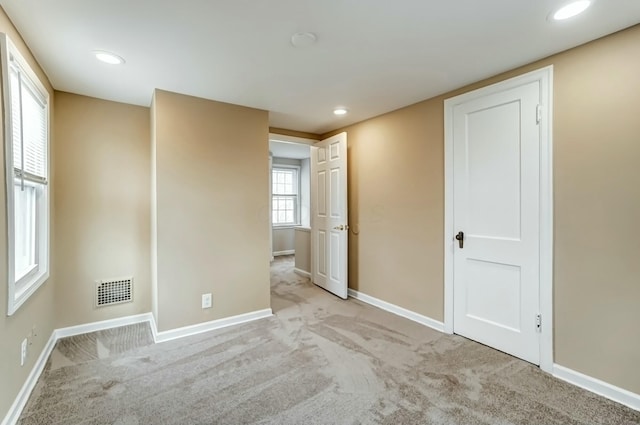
point(319, 360)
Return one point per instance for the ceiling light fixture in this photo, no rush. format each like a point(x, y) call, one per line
point(340, 111)
point(106, 57)
point(571, 9)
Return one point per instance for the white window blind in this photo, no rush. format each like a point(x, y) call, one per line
point(29, 141)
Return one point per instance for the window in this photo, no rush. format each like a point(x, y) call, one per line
point(285, 199)
point(26, 144)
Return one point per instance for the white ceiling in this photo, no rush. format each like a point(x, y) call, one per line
point(372, 56)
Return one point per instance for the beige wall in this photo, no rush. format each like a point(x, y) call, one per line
point(396, 203)
point(212, 206)
point(396, 179)
point(597, 209)
point(303, 249)
point(39, 309)
point(283, 239)
point(102, 205)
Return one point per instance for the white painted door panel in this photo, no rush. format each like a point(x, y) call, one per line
point(329, 229)
point(496, 149)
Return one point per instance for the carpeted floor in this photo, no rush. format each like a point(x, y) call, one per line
point(319, 360)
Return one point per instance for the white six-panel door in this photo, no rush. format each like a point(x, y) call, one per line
point(496, 192)
point(329, 227)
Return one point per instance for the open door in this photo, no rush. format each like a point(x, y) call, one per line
point(329, 228)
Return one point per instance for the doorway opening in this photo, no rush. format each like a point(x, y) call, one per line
point(290, 200)
point(308, 207)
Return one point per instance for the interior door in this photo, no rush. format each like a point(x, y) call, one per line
point(496, 160)
point(329, 227)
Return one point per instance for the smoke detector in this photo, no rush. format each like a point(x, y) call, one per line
point(303, 39)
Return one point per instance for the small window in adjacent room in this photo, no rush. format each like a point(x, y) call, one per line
point(285, 197)
point(26, 147)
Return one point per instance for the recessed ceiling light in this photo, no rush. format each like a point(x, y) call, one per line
point(340, 111)
point(110, 58)
point(303, 39)
point(572, 9)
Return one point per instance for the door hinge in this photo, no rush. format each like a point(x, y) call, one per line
point(539, 322)
point(538, 114)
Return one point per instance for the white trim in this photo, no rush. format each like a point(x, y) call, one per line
point(546, 220)
point(277, 166)
point(154, 329)
point(17, 297)
point(21, 399)
point(302, 272)
point(400, 311)
point(102, 325)
point(274, 137)
point(545, 77)
point(286, 252)
point(448, 217)
point(209, 326)
point(597, 386)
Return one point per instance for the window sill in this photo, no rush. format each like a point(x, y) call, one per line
point(25, 292)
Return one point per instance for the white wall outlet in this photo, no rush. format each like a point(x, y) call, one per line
point(23, 351)
point(206, 300)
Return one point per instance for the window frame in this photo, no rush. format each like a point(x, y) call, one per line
point(296, 213)
point(21, 290)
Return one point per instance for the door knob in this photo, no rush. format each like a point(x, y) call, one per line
point(341, 227)
point(460, 239)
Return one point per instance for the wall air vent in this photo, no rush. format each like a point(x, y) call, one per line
point(114, 291)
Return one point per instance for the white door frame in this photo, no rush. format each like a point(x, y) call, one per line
point(545, 77)
point(275, 137)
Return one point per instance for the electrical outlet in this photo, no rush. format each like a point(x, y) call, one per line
point(23, 351)
point(206, 300)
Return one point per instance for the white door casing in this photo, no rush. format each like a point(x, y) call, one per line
point(329, 226)
point(271, 258)
point(498, 192)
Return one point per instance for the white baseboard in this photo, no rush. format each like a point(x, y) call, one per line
point(21, 399)
point(287, 252)
point(154, 328)
point(102, 325)
point(392, 308)
point(302, 273)
point(209, 326)
point(597, 386)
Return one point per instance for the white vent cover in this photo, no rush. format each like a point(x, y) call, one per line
point(114, 291)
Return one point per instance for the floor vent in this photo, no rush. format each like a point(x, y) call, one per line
point(114, 291)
